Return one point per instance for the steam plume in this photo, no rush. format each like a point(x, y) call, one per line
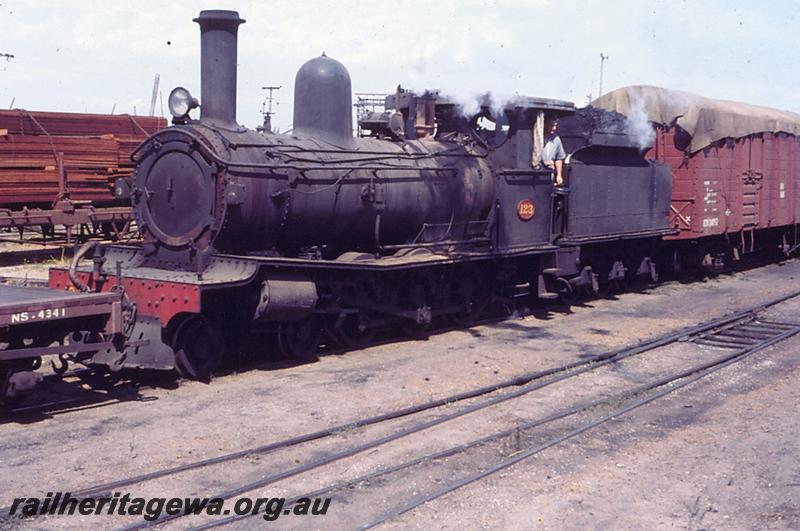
point(638, 125)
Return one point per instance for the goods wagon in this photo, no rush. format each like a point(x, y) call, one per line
point(735, 166)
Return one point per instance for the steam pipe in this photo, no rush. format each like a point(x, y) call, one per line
point(218, 43)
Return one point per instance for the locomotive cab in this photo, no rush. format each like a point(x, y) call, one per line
point(521, 220)
point(524, 188)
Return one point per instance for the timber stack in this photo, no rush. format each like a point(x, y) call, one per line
point(50, 156)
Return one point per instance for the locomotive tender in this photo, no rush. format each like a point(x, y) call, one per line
point(318, 232)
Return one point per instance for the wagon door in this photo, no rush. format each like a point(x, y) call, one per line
point(781, 184)
point(751, 184)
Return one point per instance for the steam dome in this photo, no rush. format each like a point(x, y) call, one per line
point(322, 99)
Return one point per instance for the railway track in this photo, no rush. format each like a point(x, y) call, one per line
point(740, 334)
point(648, 393)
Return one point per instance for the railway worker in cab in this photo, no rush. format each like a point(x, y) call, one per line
point(553, 154)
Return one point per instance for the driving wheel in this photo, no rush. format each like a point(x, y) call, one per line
point(299, 340)
point(198, 347)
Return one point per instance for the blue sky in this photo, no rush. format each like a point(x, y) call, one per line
point(90, 56)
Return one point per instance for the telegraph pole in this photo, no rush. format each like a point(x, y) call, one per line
point(602, 61)
point(266, 107)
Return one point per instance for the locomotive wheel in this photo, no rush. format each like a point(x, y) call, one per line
point(414, 294)
point(468, 292)
point(610, 288)
point(354, 331)
point(606, 289)
point(567, 292)
point(299, 340)
point(198, 347)
point(620, 285)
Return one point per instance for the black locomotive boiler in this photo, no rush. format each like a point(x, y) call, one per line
point(320, 234)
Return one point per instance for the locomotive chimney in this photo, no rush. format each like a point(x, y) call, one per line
point(218, 39)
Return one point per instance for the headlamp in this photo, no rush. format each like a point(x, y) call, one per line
point(181, 102)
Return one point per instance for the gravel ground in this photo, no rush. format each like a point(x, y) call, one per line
point(721, 453)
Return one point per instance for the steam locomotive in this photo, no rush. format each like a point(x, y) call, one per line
point(430, 217)
point(316, 232)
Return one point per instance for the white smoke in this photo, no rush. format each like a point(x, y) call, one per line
point(638, 125)
point(468, 104)
point(471, 103)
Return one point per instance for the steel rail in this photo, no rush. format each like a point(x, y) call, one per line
point(520, 380)
point(355, 450)
point(701, 371)
point(399, 413)
point(593, 364)
point(525, 426)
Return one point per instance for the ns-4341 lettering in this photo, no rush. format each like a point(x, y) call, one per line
point(41, 315)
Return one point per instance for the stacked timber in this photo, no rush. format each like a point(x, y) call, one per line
point(94, 150)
